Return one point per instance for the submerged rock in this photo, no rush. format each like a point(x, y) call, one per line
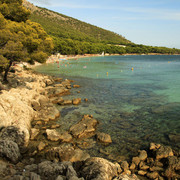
point(41, 146)
point(84, 128)
point(34, 133)
point(76, 86)
point(65, 137)
point(164, 152)
point(143, 155)
point(76, 101)
point(66, 102)
point(174, 138)
point(52, 135)
point(104, 138)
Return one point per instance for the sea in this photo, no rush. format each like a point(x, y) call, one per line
point(136, 100)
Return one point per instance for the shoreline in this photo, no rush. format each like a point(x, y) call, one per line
point(32, 100)
point(53, 58)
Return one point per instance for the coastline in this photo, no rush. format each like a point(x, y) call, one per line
point(53, 58)
point(32, 100)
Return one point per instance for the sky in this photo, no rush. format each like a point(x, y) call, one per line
point(148, 22)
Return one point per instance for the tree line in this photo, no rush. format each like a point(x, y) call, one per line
point(72, 36)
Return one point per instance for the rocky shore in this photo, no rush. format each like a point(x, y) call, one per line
point(31, 147)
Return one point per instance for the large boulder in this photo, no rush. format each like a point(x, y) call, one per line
point(99, 169)
point(66, 152)
point(49, 170)
point(9, 150)
point(12, 133)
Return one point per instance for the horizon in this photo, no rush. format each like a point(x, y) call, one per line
point(155, 23)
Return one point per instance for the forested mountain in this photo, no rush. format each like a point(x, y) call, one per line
point(72, 36)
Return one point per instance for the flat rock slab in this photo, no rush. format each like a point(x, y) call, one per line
point(84, 127)
point(52, 135)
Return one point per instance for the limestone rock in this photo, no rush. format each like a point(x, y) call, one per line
point(34, 133)
point(34, 176)
point(76, 101)
point(142, 173)
point(164, 152)
point(36, 105)
point(50, 170)
point(12, 133)
point(154, 146)
point(71, 173)
point(86, 99)
point(144, 167)
point(65, 137)
point(156, 168)
point(66, 82)
point(9, 150)
point(84, 127)
point(30, 168)
point(99, 168)
point(41, 146)
point(126, 177)
point(76, 86)
point(48, 82)
point(136, 160)
point(173, 167)
point(132, 166)
point(66, 152)
point(152, 175)
point(60, 178)
point(124, 165)
point(58, 79)
point(66, 102)
point(52, 135)
point(104, 138)
point(142, 155)
point(56, 91)
point(57, 100)
point(43, 100)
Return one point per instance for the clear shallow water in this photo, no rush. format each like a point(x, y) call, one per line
point(135, 107)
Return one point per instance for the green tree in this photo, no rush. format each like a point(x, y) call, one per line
point(20, 39)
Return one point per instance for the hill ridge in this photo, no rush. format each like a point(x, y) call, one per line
point(72, 36)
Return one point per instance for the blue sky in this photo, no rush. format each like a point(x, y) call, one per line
point(149, 22)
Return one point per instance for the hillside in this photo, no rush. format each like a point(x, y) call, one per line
point(72, 36)
point(62, 26)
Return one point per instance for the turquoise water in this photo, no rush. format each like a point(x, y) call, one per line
point(135, 107)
